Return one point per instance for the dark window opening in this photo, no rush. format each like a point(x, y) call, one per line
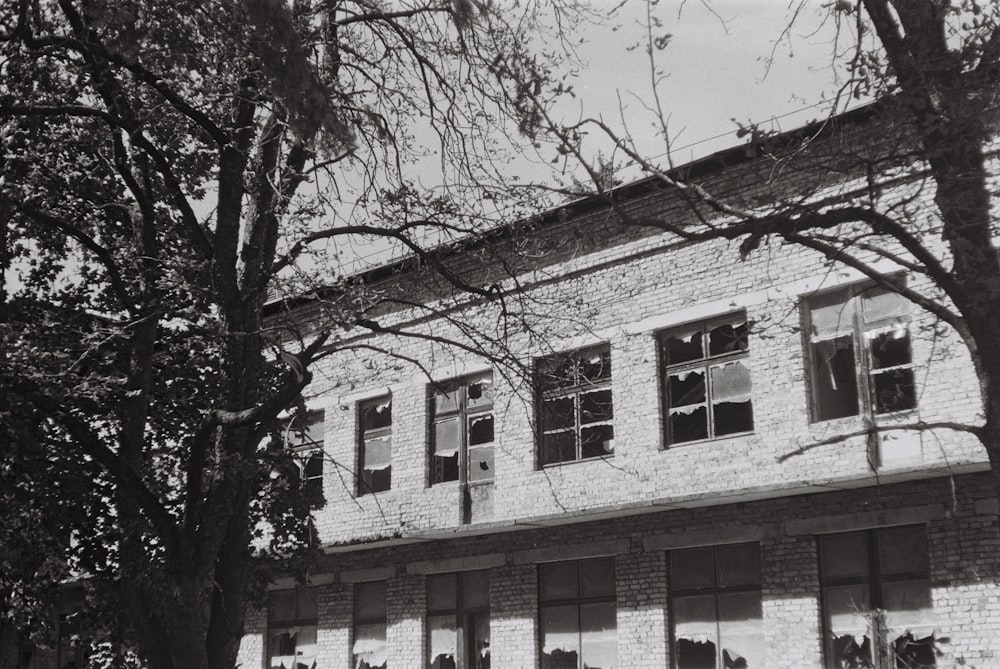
point(576, 412)
point(577, 616)
point(369, 646)
point(376, 446)
point(458, 620)
point(292, 623)
point(462, 438)
point(303, 434)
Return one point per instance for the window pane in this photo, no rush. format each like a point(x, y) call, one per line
point(376, 480)
point(731, 382)
point(908, 607)
point(378, 452)
point(688, 424)
point(732, 417)
point(830, 312)
point(890, 347)
point(558, 413)
point(683, 346)
point(728, 338)
point(447, 397)
point(844, 557)
point(847, 609)
point(307, 605)
point(447, 437)
point(476, 589)
point(481, 463)
point(441, 592)
point(903, 550)
point(376, 415)
point(369, 600)
point(480, 429)
point(281, 605)
point(558, 447)
point(306, 430)
point(369, 646)
point(560, 632)
point(738, 564)
point(834, 378)
point(596, 406)
point(480, 393)
point(597, 441)
point(599, 636)
point(686, 387)
point(695, 632)
point(741, 631)
point(480, 623)
point(559, 581)
point(597, 578)
point(595, 366)
point(692, 568)
point(894, 390)
point(878, 303)
point(556, 372)
point(445, 468)
point(443, 643)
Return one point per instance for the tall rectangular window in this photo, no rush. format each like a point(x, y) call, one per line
point(462, 439)
point(707, 379)
point(716, 603)
point(369, 650)
point(859, 350)
point(458, 620)
point(376, 446)
point(577, 615)
point(877, 610)
point(291, 628)
point(576, 412)
point(303, 434)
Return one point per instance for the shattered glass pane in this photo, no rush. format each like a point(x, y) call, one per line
point(903, 550)
point(445, 466)
point(556, 372)
point(597, 441)
point(558, 447)
point(596, 406)
point(306, 430)
point(595, 366)
point(731, 382)
point(894, 390)
point(369, 646)
point(443, 643)
point(878, 303)
point(480, 429)
point(376, 415)
point(314, 465)
point(692, 568)
point(695, 630)
point(847, 610)
point(741, 630)
point(732, 417)
point(481, 463)
point(378, 452)
point(890, 347)
point(442, 592)
point(560, 631)
point(852, 651)
point(597, 577)
point(480, 623)
point(447, 397)
point(481, 392)
point(559, 581)
point(558, 413)
point(729, 338)
point(908, 606)
point(447, 437)
point(686, 387)
point(834, 378)
point(683, 346)
point(830, 312)
point(599, 636)
point(913, 650)
point(688, 425)
point(737, 564)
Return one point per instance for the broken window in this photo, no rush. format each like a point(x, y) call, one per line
point(859, 348)
point(376, 446)
point(462, 438)
point(458, 620)
point(707, 379)
point(877, 610)
point(716, 602)
point(303, 434)
point(575, 407)
point(291, 629)
point(577, 615)
point(369, 647)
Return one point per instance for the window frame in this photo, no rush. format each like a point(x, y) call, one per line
point(465, 415)
point(575, 392)
point(706, 362)
point(365, 480)
point(370, 621)
point(578, 603)
point(308, 451)
point(856, 327)
point(298, 622)
point(465, 617)
point(715, 591)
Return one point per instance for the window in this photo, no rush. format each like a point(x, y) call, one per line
point(578, 614)
point(462, 440)
point(706, 379)
point(376, 446)
point(877, 610)
point(458, 620)
point(303, 434)
point(716, 604)
point(369, 626)
point(291, 629)
point(73, 651)
point(859, 348)
point(576, 410)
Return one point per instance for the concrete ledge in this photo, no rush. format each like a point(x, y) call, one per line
point(572, 552)
point(287, 582)
point(988, 507)
point(363, 575)
point(733, 534)
point(864, 520)
point(457, 564)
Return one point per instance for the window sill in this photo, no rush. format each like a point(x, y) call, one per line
point(563, 463)
point(858, 417)
point(709, 440)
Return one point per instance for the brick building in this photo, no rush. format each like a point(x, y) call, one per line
point(666, 484)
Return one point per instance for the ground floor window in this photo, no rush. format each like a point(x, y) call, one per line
point(577, 616)
point(716, 607)
point(291, 625)
point(369, 650)
point(877, 609)
point(458, 620)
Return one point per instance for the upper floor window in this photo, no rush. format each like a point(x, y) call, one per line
point(458, 620)
point(716, 602)
point(369, 649)
point(292, 621)
point(462, 440)
point(859, 350)
point(707, 379)
point(578, 614)
point(877, 609)
point(303, 434)
point(575, 405)
point(376, 445)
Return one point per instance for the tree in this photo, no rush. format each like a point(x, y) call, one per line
point(917, 194)
point(168, 168)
